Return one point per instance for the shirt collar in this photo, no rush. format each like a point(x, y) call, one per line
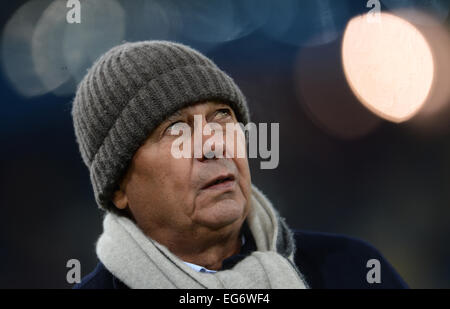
point(202, 269)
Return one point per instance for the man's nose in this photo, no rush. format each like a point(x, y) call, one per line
point(216, 152)
point(212, 145)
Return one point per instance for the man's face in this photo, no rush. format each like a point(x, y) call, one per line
point(164, 193)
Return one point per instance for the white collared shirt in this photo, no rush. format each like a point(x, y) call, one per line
point(199, 268)
point(202, 269)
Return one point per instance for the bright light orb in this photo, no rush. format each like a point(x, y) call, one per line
point(388, 64)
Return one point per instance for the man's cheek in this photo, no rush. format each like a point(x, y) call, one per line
point(243, 167)
point(177, 174)
point(244, 179)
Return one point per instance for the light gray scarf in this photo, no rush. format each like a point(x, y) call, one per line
point(140, 262)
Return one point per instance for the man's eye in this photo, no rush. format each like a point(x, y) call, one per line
point(172, 126)
point(223, 113)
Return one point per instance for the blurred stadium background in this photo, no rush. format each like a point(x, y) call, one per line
point(343, 169)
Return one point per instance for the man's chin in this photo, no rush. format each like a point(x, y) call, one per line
point(221, 214)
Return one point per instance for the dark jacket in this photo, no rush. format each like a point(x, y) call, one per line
point(327, 261)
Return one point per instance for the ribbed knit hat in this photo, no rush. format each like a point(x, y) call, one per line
point(129, 91)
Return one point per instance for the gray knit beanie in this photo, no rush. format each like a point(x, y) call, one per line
point(129, 91)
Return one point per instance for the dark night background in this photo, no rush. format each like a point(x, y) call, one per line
point(383, 182)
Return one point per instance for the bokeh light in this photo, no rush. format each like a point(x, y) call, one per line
point(207, 24)
point(83, 43)
point(324, 94)
point(388, 64)
point(47, 52)
point(413, 10)
point(16, 49)
point(208, 21)
point(306, 23)
point(151, 20)
point(433, 117)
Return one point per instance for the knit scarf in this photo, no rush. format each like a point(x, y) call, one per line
point(140, 262)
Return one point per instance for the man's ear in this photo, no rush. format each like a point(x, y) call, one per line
point(120, 199)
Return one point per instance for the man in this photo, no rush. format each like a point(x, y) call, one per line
point(195, 221)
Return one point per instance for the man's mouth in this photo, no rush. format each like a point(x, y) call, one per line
point(220, 182)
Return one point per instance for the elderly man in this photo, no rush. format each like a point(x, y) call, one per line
point(194, 221)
